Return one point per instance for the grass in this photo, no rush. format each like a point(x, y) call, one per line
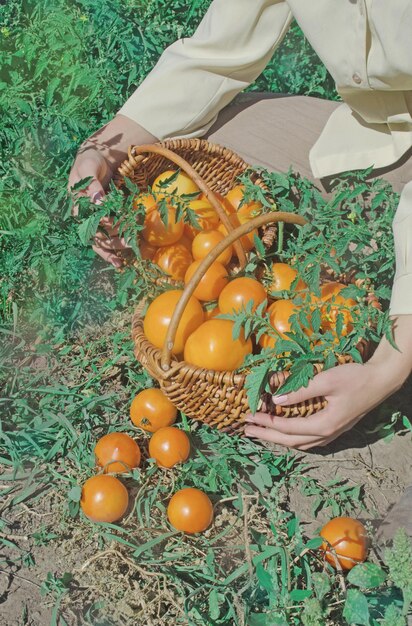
point(68, 373)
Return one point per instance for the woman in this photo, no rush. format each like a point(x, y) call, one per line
point(365, 45)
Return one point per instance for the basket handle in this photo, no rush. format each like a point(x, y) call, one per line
point(198, 180)
point(240, 231)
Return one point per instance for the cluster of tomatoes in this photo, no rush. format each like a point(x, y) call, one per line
point(104, 497)
point(201, 339)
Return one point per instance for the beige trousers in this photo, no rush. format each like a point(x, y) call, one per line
point(277, 131)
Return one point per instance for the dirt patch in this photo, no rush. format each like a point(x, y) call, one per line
point(361, 460)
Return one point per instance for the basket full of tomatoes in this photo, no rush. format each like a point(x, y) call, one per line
point(186, 338)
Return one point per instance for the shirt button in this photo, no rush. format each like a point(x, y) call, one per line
point(357, 79)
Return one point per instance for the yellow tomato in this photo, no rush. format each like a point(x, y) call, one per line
point(173, 260)
point(157, 233)
point(159, 314)
point(211, 346)
point(211, 283)
point(183, 184)
point(206, 241)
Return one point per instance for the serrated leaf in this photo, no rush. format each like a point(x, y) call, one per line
point(254, 384)
point(88, 228)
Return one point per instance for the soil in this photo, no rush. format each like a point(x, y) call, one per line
point(381, 468)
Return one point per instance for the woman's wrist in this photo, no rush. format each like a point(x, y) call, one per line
point(114, 139)
point(395, 364)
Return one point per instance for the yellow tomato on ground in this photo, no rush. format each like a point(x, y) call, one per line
point(159, 314)
point(346, 537)
point(117, 452)
point(169, 446)
point(212, 346)
point(173, 260)
point(151, 410)
point(283, 276)
point(239, 292)
point(206, 241)
point(104, 498)
point(211, 283)
point(157, 233)
point(183, 184)
point(190, 510)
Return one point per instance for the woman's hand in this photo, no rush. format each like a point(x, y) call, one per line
point(99, 157)
point(351, 391)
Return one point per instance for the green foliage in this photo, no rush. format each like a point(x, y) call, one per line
point(67, 368)
point(399, 561)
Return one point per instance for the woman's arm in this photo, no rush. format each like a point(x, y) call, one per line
point(351, 390)
point(196, 77)
point(182, 96)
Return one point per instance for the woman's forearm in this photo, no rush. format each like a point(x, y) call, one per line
point(397, 363)
point(114, 138)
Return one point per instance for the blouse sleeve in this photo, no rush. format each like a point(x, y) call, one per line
point(196, 77)
point(401, 301)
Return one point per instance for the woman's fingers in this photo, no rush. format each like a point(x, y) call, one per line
point(90, 164)
point(317, 425)
point(299, 442)
point(320, 385)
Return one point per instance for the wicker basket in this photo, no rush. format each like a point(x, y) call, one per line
point(215, 398)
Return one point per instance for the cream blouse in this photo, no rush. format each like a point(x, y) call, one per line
point(365, 44)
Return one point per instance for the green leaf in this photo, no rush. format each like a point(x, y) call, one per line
point(214, 610)
point(261, 478)
point(88, 228)
point(356, 610)
point(75, 493)
point(366, 575)
point(321, 584)
point(254, 384)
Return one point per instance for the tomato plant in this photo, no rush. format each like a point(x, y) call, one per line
point(347, 538)
point(151, 410)
point(335, 305)
point(239, 292)
point(121, 449)
point(147, 200)
point(190, 510)
point(104, 498)
point(159, 314)
point(212, 346)
point(211, 283)
point(206, 217)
